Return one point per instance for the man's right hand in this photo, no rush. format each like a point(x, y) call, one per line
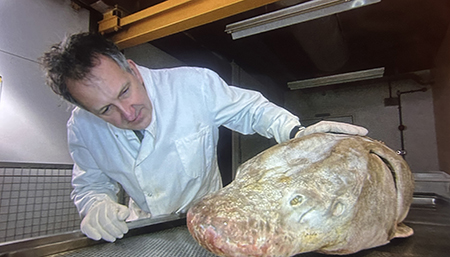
point(105, 219)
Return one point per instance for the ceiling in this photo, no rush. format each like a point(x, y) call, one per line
point(401, 35)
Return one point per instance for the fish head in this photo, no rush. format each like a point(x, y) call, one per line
point(295, 197)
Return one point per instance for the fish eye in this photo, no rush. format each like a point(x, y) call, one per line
point(338, 209)
point(298, 199)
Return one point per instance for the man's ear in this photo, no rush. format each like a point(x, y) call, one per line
point(135, 71)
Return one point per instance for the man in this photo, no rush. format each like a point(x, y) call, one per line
point(153, 131)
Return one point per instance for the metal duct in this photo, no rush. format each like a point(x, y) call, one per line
point(322, 40)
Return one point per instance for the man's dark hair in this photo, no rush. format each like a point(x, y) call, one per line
point(73, 59)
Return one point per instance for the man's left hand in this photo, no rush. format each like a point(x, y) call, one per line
point(332, 127)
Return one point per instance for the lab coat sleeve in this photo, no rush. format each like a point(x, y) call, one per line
point(89, 183)
point(246, 111)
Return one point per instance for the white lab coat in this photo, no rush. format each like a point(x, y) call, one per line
point(176, 163)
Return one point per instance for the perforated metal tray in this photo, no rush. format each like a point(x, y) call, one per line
point(429, 216)
point(170, 242)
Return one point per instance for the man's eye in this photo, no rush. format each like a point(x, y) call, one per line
point(124, 92)
point(105, 110)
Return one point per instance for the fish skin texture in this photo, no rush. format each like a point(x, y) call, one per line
point(328, 193)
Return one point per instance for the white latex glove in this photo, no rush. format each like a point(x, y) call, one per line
point(332, 127)
point(105, 219)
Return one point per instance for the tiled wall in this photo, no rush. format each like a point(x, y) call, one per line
point(35, 200)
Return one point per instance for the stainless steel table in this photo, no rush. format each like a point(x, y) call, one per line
point(430, 221)
point(169, 242)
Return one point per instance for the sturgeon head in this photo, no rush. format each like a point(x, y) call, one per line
point(324, 192)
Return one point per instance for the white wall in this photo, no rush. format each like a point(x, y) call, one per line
point(32, 118)
point(364, 104)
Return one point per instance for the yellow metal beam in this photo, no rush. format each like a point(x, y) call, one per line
point(153, 10)
point(176, 16)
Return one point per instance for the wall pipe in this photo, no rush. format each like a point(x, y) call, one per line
point(401, 126)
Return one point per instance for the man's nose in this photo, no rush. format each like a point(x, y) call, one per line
point(128, 112)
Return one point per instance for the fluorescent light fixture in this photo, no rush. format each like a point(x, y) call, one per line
point(1, 86)
point(337, 79)
point(292, 15)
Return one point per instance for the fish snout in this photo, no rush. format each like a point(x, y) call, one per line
point(207, 231)
point(228, 236)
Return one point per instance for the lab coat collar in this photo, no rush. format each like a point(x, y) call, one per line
point(150, 88)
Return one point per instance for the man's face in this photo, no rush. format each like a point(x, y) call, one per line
point(114, 95)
